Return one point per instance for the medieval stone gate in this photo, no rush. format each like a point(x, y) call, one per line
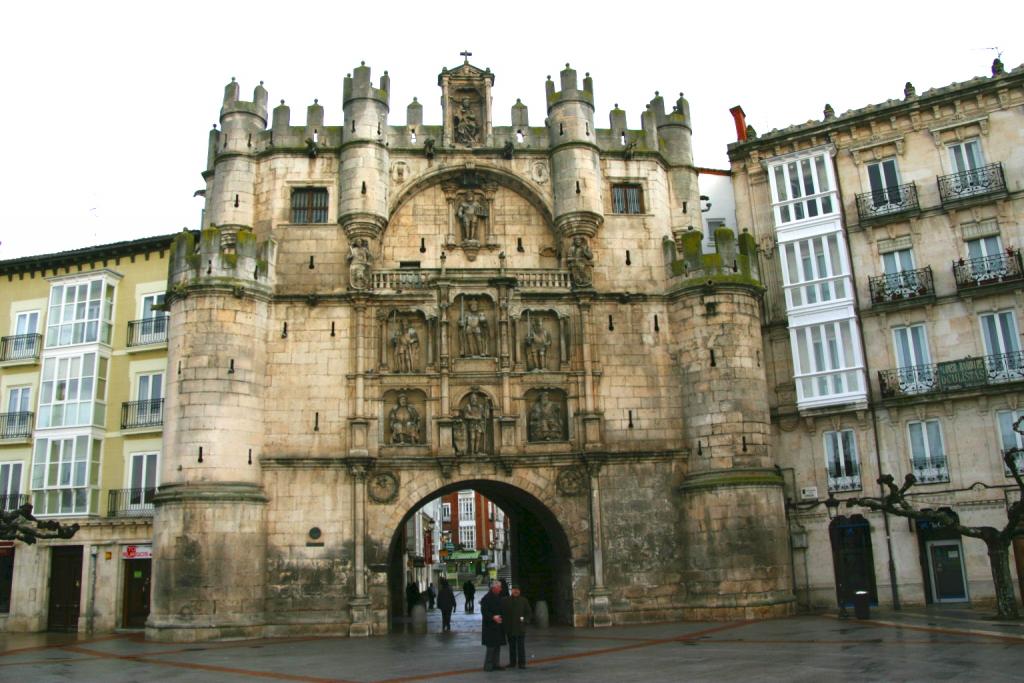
point(376, 313)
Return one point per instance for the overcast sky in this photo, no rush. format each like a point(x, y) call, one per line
point(106, 106)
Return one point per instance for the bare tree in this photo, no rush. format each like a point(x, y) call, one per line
point(997, 541)
point(22, 525)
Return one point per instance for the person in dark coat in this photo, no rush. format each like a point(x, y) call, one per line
point(446, 601)
point(515, 613)
point(431, 594)
point(504, 588)
point(492, 634)
point(412, 596)
point(469, 589)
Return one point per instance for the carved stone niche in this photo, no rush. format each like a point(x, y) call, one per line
point(474, 323)
point(547, 417)
point(407, 341)
point(473, 432)
point(470, 200)
point(466, 106)
point(541, 340)
point(404, 418)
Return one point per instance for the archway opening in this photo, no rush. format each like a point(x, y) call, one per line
point(528, 548)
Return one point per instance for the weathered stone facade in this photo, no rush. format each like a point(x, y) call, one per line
point(378, 314)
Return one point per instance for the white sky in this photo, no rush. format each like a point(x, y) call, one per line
point(106, 105)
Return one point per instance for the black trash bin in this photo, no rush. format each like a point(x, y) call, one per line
point(862, 605)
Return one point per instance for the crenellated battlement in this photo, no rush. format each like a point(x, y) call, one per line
point(734, 259)
point(570, 90)
point(358, 86)
point(234, 105)
point(227, 255)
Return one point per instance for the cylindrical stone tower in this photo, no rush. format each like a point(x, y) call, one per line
point(575, 157)
point(365, 161)
point(733, 526)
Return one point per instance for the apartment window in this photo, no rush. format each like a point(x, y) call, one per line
point(73, 391)
point(16, 422)
point(466, 510)
point(467, 536)
point(815, 270)
point(965, 157)
point(149, 394)
point(627, 198)
point(446, 512)
point(927, 455)
point(984, 247)
point(152, 326)
point(802, 189)
point(1002, 346)
point(64, 472)
point(142, 479)
point(898, 261)
point(1005, 420)
point(826, 360)
point(10, 485)
point(23, 344)
point(841, 461)
point(309, 205)
point(913, 361)
point(80, 313)
point(884, 181)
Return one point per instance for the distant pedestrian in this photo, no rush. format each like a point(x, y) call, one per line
point(504, 588)
point(412, 596)
point(446, 601)
point(431, 594)
point(469, 590)
point(515, 613)
point(492, 634)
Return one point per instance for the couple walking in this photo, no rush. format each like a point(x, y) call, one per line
point(504, 619)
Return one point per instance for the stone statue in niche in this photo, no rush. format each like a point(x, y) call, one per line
point(537, 342)
point(467, 128)
point(473, 331)
point(406, 344)
point(474, 416)
point(404, 422)
point(545, 423)
point(471, 214)
point(359, 259)
point(581, 262)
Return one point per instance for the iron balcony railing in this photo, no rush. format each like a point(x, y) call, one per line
point(887, 201)
point(147, 331)
point(988, 270)
point(15, 425)
point(966, 373)
point(974, 183)
point(901, 286)
point(20, 347)
point(931, 470)
point(13, 501)
point(848, 482)
point(136, 414)
point(130, 502)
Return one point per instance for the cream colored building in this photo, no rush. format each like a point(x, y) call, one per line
point(83, 359)
point(890, 242)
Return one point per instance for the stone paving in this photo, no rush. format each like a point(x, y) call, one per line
point(904, 646)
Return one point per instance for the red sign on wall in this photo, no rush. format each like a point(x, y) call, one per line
point(137, 552)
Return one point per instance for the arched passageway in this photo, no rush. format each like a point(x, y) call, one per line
point(540, 557)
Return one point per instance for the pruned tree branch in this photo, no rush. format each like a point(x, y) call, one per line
point(22, 525)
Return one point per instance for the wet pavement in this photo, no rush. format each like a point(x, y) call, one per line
point(910, 645)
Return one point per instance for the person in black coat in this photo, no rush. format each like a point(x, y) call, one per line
point(492, 634)
point(412, 596)
point(469, 589)
point(431, 594)
point(446, 602)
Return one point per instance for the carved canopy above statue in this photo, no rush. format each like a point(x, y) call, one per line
point(466, 105)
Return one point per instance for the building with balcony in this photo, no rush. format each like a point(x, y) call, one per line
point(83, 357)
point(890, 244)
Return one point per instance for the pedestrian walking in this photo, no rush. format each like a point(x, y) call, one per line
point(492, 634)
point(446, 601)
point(431, 594)
point(515, 615)
point(504, 588)
point(469, 590)
point(412, 596)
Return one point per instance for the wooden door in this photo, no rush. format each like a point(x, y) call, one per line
point(65, 588)
point(136, 593)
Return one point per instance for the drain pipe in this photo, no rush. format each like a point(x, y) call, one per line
point(894, 587)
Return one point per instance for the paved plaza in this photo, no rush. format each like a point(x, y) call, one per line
point(903, 646)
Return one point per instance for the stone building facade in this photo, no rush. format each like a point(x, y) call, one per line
point(376, 315)
point(890, 248)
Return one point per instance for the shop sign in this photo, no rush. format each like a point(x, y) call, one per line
point(137, 552)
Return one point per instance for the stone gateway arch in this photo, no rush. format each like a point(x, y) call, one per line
point(377, 313)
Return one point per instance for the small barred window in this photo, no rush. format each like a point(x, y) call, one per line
point(627, 199)
point(309, 205)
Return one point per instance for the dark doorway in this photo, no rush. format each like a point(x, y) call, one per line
point(852, 558)
point(540, 560)
point(136, 593)
point(65, 588)
point(941, 555)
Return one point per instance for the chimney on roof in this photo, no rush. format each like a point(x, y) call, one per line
point(740, 119)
